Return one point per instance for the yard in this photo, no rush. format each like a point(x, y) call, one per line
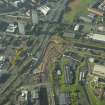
point(77, 7)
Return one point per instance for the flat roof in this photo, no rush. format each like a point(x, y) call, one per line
point(98, 37)
point(62, 100)
point(99, 70)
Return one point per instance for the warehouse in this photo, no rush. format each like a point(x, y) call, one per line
point(99, 70)
point(69, 76)
point(69, 34)
point(85, 19)
point(97, 37)
point(44, 9)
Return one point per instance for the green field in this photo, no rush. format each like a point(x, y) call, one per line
point(78, 7)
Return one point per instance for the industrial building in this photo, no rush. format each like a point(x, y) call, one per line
point(11, 28)
point(99, 70)
point(21, 28)
point(86, 19)
point(3, 75)
point(64, 98)
point(44, 9)
point(34, 17)
point(27, 96)
point(69, 34)
point(77, 27)
point(23, 97)
point(96, 37)
point(69, 76)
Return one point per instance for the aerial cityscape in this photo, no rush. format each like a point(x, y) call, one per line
point(52, 52)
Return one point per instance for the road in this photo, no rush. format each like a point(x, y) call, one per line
point(55, 14)
point(16, 80)
point(37, 52)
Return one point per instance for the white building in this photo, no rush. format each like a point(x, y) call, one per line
point(11, 28)
point(76, 28)
point(21, 28)
point(44, 9)
point(34, 17)
point(99, 70)
point(97, 37)
point(25, 94)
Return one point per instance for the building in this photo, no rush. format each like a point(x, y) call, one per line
point(64, 98)
point(99, 70)
point(68, 74)
point(77, 27)
point(101, 29)
point(2, 58)
point(34, 17)
point(2, 61)
point(85, 19)
point(3, 75)
point(98, 7)
point(59, 72)
point(18, 3)
point(69, 34)
point(23, 98)
point(21, 28)
point(44, 10)
point(34, 94)
point(96, 37)
point(11, 28)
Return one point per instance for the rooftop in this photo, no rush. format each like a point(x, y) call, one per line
point(98, 37)
point(99, 70)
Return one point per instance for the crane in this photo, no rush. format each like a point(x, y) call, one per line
point(18, 53)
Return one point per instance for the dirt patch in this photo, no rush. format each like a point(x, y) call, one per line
point(74, 4)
